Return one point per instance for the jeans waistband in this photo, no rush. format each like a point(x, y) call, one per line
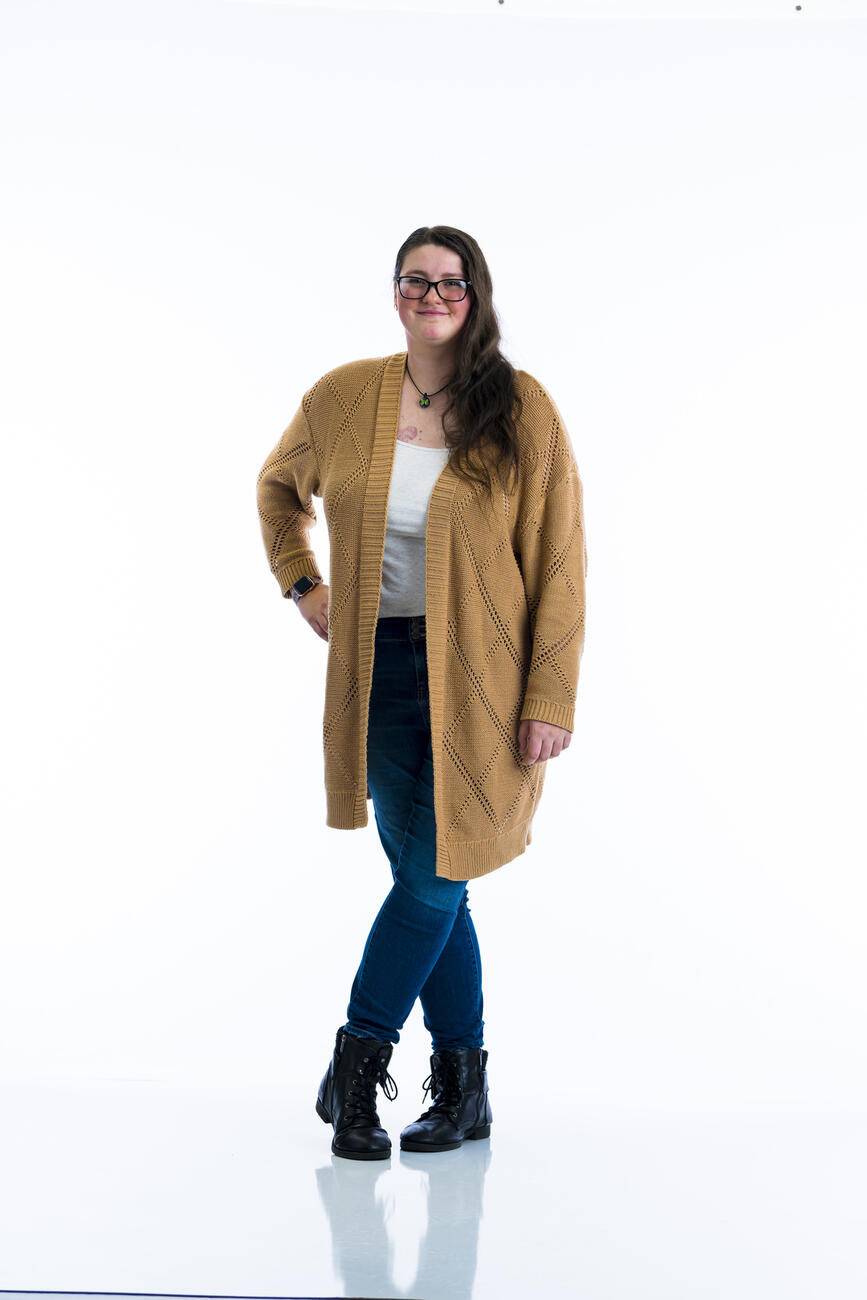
point(401, 627)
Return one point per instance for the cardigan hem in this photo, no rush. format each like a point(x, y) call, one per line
point(476, 858)
point(344, 810)
point(466, 861)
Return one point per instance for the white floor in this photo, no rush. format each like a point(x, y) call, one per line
point(134, 1186)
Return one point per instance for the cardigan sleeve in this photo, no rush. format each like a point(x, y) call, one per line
point(553, 560)
point(284, 490)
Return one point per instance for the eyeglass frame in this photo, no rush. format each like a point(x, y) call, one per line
point(432, 284)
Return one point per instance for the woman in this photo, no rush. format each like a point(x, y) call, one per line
point(455, 628)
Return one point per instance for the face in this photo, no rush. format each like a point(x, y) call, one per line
point(429, 319)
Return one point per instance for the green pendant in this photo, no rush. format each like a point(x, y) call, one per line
point(424, 401)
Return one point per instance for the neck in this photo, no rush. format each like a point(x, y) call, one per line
point(431, 368)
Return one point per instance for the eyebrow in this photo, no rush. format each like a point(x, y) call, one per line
point(452, 275)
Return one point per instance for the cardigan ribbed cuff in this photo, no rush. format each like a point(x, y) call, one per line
point(561, 715)
point(290, 573)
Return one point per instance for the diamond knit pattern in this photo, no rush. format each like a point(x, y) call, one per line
point(505, 601)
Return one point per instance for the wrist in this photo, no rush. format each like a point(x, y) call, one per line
point(303, 585)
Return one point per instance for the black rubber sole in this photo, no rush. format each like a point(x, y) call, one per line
point(349, 1155)
point(410, 1144)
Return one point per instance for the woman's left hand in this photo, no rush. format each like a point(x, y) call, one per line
point(539, 741)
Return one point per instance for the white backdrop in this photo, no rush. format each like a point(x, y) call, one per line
point(673, 212)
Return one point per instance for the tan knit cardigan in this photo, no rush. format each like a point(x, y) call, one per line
point(504, 602)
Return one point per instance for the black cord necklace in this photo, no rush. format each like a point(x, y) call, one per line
point(425, 397)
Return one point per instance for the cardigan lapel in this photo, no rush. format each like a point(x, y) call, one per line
point(437, 575)
point(372, 549)
point(376, 500)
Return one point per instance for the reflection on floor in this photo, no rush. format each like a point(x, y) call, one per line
point(120, 1187)
point(362, 1254)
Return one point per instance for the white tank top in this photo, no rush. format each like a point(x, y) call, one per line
point(416, 470)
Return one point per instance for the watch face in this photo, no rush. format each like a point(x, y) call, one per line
point(303, 585)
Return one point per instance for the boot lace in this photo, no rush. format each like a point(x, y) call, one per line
point(360, 1100)
point(444, 1086)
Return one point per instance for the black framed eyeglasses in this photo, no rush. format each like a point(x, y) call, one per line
point(415, 286)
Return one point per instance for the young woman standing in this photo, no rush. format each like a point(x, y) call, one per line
point(455, 625)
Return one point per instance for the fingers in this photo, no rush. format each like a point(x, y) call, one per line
point(539, 741)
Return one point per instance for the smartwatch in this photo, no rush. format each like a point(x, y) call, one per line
point(302, 586)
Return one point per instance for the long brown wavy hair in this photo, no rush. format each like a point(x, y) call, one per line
point(483, 401)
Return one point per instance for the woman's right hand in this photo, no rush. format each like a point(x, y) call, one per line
point(314, 608)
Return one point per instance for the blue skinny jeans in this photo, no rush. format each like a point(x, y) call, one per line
point(423, 942)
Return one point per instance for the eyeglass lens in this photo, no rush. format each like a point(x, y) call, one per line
point(412, 286)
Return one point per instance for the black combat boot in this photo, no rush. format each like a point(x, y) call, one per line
point(347, 1097)
point(458, 1083)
